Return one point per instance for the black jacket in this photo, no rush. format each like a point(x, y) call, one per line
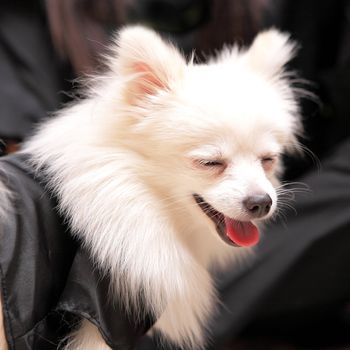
point(48, 281)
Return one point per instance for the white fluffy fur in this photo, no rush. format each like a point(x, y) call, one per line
point(123, 164)
point(86, 337)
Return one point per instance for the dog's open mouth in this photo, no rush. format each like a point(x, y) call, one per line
point(233, 232)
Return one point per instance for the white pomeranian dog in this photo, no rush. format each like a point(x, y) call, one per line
point(166, 168)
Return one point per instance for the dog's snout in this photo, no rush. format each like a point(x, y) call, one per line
point(258, 205)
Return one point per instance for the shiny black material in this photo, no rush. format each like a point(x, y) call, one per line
point(48, 281)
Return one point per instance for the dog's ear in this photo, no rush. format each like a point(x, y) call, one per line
point(270, 51)
point(146, 63)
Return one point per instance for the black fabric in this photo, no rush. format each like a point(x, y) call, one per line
point(322, 30)
point(170, 16)
point(48, 281)
point(31, 75)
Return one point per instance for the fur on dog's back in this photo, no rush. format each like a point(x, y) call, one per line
point(119, 162)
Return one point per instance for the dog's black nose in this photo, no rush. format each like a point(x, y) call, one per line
point(258, 205)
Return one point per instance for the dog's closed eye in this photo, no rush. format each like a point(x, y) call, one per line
point(217, 165)
point(268, 161)
point(211, 163)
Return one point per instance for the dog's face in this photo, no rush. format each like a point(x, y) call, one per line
point(212, 133)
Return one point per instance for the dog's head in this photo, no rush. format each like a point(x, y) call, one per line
point(211, 133)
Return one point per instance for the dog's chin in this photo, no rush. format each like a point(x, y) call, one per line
point(233, 232)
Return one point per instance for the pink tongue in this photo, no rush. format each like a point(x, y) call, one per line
point(244, 234)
